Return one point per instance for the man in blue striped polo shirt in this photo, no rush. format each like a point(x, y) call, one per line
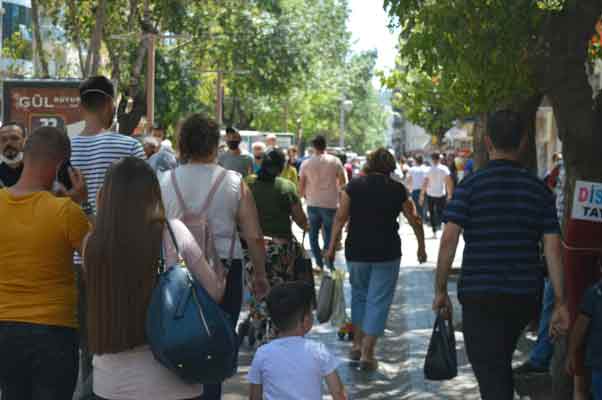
point(504, 213)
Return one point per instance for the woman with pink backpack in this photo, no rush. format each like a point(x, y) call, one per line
point(215, 204)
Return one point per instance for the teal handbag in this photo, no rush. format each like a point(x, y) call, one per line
point(188, 332)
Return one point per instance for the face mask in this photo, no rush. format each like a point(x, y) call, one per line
point(258, 157)
point(11, 161)
point(233, 144)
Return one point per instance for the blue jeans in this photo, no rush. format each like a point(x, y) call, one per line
point(372, 289)
point(319, 217)
point(597, 384)
point(542, 352)
point(419, 209)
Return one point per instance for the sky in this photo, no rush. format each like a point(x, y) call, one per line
point(368, 24)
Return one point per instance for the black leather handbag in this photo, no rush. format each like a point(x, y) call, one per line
point(441, 361)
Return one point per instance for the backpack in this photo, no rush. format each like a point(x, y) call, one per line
point(199, 226)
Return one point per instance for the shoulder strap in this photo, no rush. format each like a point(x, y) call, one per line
point(235, 227)
point(178, 192)
point(213, 191)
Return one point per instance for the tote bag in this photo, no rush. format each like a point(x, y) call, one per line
point(441, 362)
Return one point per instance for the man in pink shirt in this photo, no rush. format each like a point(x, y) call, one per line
point(322, 177)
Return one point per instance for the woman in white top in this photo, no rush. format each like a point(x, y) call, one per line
point(232, 209)
point(121, 258)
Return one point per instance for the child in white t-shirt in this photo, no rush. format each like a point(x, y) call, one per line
point(291, 367)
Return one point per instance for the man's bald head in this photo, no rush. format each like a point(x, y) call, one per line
point(47, 144)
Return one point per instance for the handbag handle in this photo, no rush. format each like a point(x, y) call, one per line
point(175, 243)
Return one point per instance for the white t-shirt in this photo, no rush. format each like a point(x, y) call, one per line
point(194, 181)
point(437, 175)
point(292, 368)
point(418, 173)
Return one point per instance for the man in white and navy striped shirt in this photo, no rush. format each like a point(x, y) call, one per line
point(93, 152)
point(96, 148)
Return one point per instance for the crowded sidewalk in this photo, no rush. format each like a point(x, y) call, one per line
point(404, 346)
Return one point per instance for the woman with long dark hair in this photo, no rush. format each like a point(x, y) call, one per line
point(121, 259)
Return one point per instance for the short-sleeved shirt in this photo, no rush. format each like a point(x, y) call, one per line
point(592, 308)
point(241, 163)
point(274, 201)
point(321, 173)
point(437, 176)
point(94, 155)
point(37, 281)
point(292, 368)
point(376, 202)
point(504, 211)
point(289, 172)
point(162, 161)
point(9, 176)
point(418, 174)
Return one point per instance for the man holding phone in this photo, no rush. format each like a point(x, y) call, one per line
point(38, 306)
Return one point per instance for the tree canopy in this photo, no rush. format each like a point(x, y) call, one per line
point(286, 63)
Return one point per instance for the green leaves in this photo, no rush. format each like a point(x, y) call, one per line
point(463, 57)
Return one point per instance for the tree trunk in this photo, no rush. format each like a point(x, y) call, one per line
point(39, 45)
point(480, 156)
point(72, 7)
point(528, 111)
point(561, 74)
point(93, 59)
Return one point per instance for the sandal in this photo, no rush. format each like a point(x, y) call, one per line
point(355, 355)
point(369, 365)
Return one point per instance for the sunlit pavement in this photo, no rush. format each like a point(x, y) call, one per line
point(401, 352)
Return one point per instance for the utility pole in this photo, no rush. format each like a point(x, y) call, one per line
point(150, 80)
point(345, 107)
point(219, 91)
point(219, 98)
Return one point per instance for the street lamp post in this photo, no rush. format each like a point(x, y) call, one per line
point(345, 107)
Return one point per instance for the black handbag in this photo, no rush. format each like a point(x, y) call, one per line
point(441, 362)
point(303, 269)
point(188, 332)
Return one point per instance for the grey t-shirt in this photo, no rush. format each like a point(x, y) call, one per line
point(242, 163)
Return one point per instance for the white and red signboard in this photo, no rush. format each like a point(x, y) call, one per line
point(587, 203)
point(37, 103)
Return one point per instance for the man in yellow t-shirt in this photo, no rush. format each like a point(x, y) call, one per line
point(38, 293)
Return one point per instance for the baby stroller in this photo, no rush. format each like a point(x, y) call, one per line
point(286, 261)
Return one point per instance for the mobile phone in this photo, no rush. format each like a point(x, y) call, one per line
point(63, 176)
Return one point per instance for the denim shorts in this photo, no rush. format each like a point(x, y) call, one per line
point(372, 289)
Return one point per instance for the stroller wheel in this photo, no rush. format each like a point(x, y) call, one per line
point(251, 336)
point(243, 331)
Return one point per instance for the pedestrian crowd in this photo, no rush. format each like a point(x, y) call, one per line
point(91, 219)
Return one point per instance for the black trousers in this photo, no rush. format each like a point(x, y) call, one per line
point(37, 362)
point(436, 206)
point(492, 327)
point(231, 304)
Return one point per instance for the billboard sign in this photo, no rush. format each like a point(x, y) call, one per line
point(37, 103)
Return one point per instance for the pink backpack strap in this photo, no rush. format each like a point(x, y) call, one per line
point(178, 191)
point(213, 191)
